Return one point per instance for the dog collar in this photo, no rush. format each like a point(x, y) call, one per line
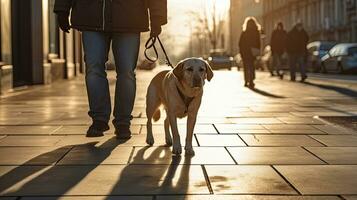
point(187, 100)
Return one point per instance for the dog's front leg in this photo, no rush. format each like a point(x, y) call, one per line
point(191, 121)
point(176, 147)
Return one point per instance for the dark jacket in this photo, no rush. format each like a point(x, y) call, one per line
point(114, 15)
point(297, 41)
point(249, 39)
point(278, 41)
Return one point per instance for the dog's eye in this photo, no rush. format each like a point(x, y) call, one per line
point(201, 69)
point(190, 69)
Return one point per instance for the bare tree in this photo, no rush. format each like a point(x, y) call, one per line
point(211, 22)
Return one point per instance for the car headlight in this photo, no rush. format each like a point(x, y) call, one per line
point(210, 59)
point(231, 58)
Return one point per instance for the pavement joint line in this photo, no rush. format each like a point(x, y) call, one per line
point(195, 136)
point(131, 155)
point(54, 131)
point(214, 126)
point(69, 149)
point(208, 183)
point(286, 180)
point(243, 140)
point(231, 155)
point(341, 197)
point(317, 140)
point(314, 155)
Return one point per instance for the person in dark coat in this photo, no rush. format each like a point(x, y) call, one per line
point(119, 23)
point(249, 47)
point(278, 48)
point(297, 50)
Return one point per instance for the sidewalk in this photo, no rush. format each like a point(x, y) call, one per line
point(262, 144)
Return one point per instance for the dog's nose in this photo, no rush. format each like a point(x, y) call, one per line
point(197, 82)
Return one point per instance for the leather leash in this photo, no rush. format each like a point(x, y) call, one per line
point(151, 44)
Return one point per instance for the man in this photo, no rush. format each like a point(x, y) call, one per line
point(278, 48)
point(297, 42)
point(103, 22)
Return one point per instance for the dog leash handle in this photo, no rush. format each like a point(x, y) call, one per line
point(151, 44)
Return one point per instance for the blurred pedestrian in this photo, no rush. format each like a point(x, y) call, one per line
point(249, 47)
point(278, 48)
point(103, 22)
point(297, 50)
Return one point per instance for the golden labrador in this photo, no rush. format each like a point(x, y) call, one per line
point(180, 92)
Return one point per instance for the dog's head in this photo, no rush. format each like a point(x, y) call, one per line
point(193, 72)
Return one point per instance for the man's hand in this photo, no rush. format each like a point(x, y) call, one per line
point(63, 21)
point(155, 31)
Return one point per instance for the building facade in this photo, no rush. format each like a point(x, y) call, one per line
point(239, 10)
point(323, 19)
point(33, 49)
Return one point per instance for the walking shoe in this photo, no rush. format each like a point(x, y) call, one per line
point(246, 84)
point(97, 129)
point(123, 132)
point(251, 85)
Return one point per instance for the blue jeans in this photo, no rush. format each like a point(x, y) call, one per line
point(125, 47)
point(294, 61)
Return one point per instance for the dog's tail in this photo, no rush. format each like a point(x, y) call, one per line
point(157, 115)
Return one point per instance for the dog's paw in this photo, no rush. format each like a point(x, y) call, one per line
point(168, 141)
point(150, 140)
point(189, 151)
point(177, 149)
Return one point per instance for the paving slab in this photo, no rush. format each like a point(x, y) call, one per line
point(31, 155)
point(272, 155)
point(246, 197)
point(30, 140)
point(321, 179)
point(96, 155)
point(28, 130)
point(234, 128)
point(199, 129)
point(247, 180)
point(82, 140)
point(336, 155)
point(2, 137)
point(297, 132)
point(256, 120)
point(163, 155)
point(300, 120)
point(333, 129)
point(289, 127)
point(337, 140)
point(220, 140)
point(90, 198)
point(350, 197)
point(103, 180)
point(279, 140)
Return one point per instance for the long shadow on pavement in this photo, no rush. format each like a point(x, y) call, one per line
point(150, 179)
point(58, 180)
point(267, 94)
point(51, 180)
point(341, 90)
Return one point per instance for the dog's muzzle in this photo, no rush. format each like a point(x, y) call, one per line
point(197, 82)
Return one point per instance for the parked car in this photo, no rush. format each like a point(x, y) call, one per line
point(317, 50)
point(341, 58)
point(219, 59)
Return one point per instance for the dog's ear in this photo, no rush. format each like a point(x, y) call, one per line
point(178, 70)
point(209, 71)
